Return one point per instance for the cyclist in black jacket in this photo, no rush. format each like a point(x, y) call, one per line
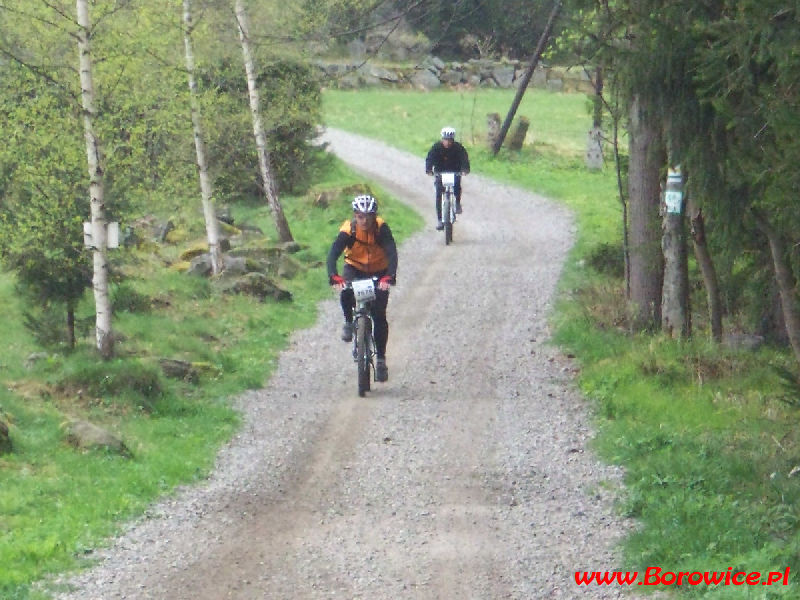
point(449, 156)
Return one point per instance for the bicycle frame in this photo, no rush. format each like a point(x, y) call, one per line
point(364, 339)
point(448, 182)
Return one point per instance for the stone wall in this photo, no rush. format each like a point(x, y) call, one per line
point(433, 73)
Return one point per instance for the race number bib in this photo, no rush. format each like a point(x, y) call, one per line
point(364, 290)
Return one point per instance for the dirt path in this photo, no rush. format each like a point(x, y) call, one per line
point(466, 476)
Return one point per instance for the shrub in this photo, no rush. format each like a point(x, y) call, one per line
point(607, 259)
point(134, 380)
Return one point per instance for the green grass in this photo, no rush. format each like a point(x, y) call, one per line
point(56, 503)
point(551, 162)
point(708, 436)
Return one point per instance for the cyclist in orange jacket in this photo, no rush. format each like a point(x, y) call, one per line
point(369, 251)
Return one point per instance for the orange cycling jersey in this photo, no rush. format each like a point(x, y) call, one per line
point(365, 252)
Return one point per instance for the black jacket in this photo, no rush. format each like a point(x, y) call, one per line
point(453, 159)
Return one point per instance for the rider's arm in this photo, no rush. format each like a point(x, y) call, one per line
point(430, 160)
point(390, 248)
point(464, 160)
point(338, 246)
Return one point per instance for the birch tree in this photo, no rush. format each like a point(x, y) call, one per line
point(270, 187)
point(212, 228)
point(103, 333)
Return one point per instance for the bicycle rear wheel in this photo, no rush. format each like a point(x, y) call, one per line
point(362, 355)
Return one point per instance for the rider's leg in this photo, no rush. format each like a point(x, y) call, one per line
point(439, 192)
point(381, 333)
point(457, 190)
point(347, 299)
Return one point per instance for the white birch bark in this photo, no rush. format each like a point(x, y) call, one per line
point(105, 340)
point(212, 227)
point(284, 234)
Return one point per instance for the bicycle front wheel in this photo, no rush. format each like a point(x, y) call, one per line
point(448, 221)
point(362, 355)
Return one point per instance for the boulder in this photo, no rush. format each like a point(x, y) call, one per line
point(539, 78)
point(425, 80)
point(291, 247)
point(504, 76)
point(251, 229)
point(225, 214)
point(194, 251)
point(381, 73)
point(257, 285)
point(178, 369)
point(452, 77)
point(234, 264)
point(34, 358)
point(200, 266)
point(516, 137)
point(288, 267)
point(163, 230)
point(493, 126)
point(88, 436)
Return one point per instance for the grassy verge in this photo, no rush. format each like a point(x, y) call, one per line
point(56, 503)
point(708, 436)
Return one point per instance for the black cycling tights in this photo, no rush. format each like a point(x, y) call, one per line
point(440, 190)
point(348, 300)
point(381, 330)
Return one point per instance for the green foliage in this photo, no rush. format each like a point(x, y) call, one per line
point(607, 259)
point(475, 29)
point(113, 379)
point(290, 104)
point(125, 298)
point(41, 214)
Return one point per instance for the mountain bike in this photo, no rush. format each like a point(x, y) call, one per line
point(363, 340)
point(448, 181)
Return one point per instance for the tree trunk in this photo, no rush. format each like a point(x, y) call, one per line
point(270, 188)
point(526, 78)
point(104, 335)
point(647, 154)
point(594, 142)
point(623, 200)
point(675, 293)
point(709, 273)
point(786, 282)
point(212, 228)
point(71, 326)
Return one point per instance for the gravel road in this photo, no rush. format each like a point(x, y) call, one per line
point(466, 476)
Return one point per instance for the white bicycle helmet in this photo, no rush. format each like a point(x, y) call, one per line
point(365, 204)
point(448, 133)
